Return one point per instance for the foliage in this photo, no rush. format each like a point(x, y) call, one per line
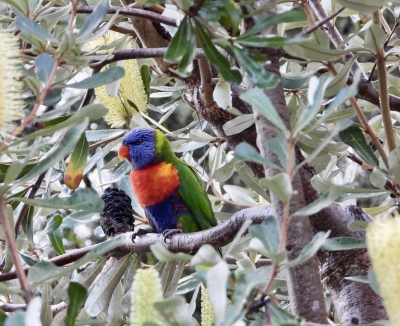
point(55, 164)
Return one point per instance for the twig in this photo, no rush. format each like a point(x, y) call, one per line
point(12, 246)
point(128, 54)
point(383, 88)
point(334, 35)
point(321, 22)
point(31, 195)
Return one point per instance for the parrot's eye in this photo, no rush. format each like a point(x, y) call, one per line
point(138, 142)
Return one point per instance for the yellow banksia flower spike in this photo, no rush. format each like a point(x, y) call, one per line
point(383, 244)
point(131, 87)
point(207, 314)
point(11, 85)
point(146, 290)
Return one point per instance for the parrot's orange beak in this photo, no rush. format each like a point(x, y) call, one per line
point(123, 151)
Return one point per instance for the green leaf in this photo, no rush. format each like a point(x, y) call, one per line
point(30, 28)
point(343, 124)
point(280, 185)
point(248, 153)
point(238, 124)
point(260, 76)
point(94, 20)
point(55, 238)
point(353, 137)
point(360, 279)
point(181, 49)
point(177, 47)
point(279, 146)
point(317, 87)
point(285, 17)
point(91, 111)
point(245, 282)
point(265, 42)
point(102, 290)
point(281, 316)
point(248, 178)
point(27, 223)
point(77, 295)
point(373, 282)
point(46, 271)
point(77, 163)
point(322, 202)
point(44, 64)
point(261, 102)
point(84, 198)
point(173, 311)
point(364, 6)
point(358, 225)
point(309, 250)
point(215, 57)
point(217, 279)
point(313, 51)
point(115, 311)
point(102, 78)
point(53, 224)
point(394, 163)
point(16, 319)
point(164, 255)
point(146, 79)
point(100, 135)
point(344, 243)
point(268, 233)
point(57, 152)
point(234, 14)
point(340, 80)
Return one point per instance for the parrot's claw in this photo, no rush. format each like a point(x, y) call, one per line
point(140, 232)
point(168, 233)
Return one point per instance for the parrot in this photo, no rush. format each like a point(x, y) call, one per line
point(171, 192)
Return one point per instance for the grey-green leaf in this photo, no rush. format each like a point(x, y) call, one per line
point(102, 78)
point(31, 28)
point(84, 198)
point(94, 20)
point(260, 101)
point(44, 64)
point(344, 243)
point(309, 250)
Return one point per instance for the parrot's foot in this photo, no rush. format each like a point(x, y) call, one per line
point(140, 232)
point(168, 233)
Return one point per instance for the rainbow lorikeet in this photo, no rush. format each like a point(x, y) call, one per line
point(170, 191)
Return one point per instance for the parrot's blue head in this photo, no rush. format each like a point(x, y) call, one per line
point(139, 147)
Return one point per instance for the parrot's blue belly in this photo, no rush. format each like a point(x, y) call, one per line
point(165, 214)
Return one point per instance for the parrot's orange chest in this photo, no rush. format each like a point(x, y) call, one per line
point(154, 183)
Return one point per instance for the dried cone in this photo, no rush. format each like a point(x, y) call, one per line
point(117, 215)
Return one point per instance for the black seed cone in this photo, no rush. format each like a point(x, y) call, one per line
point(117, 215)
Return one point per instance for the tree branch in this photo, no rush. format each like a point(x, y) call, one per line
point(128, 54)
point(123, 11)
point(217, 236)
point(303, 280)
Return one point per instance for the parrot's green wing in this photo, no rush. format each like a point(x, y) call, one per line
point(194, 195)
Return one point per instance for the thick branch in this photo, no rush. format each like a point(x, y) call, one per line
point(304, 280)
point(217, 236)
point(353, 301)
